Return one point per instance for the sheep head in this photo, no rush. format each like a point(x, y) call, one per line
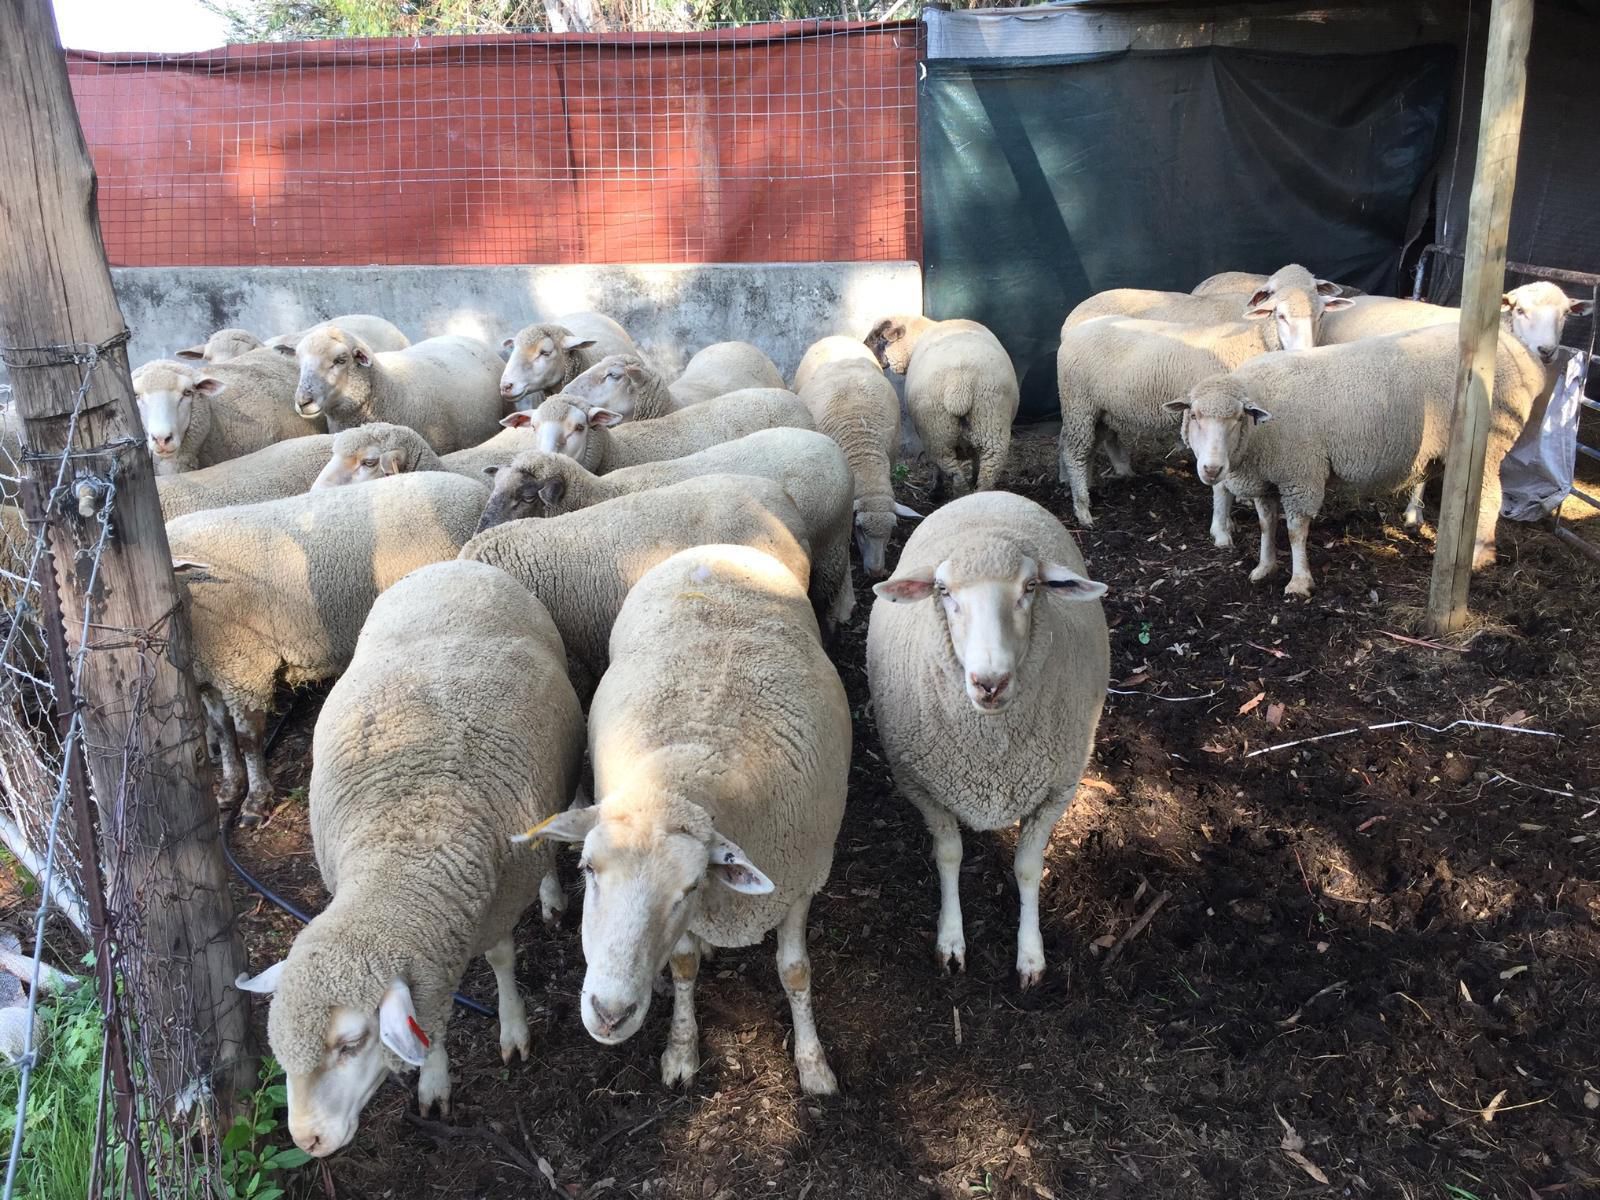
point(616, 382)
point(1536, 314)
point(335, 377)
point(533, 485)
point(1218, 416)
point(173, 408)
point(371, 452)
point(542, 358)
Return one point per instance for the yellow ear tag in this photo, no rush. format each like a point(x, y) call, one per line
point(530, 834)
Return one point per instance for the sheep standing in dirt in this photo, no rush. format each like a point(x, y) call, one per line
point(271, 473)
point(721, 368)
point(1374, 414)
point(226, 344)
point(591, 435)
point(446, 388)
point(453, 729)
point(581, 565)
point(961, 392)
point(721, 744)
point(809, 467)
point(545, 357)
point(852, 402)
point(987, 658)
point(200, 415)
point(277, 593)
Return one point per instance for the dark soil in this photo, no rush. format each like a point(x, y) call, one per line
point(1386, 941)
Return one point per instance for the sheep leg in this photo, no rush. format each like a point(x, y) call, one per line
point(433, 1083)
point(251, 724)
point(1414, 505)
point(681, 1059)
point(1028, 866)
point(1221, 516)
point(992, 461)
point(1483, 551)
point(220, 729)
point(941, 437)
point(844, 596)
point(514, 1037)
point(1116, 454)
point(552, 899)
point(794, 968)
point(951, 946)
point(1300, 573)
point(1075, 473)
point(1267, 515)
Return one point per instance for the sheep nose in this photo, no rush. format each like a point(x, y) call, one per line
point(991, 685)
point(162, 441)
point(311, 1144)
point(1210, 474)
point(610, 1019)
point(508, 390)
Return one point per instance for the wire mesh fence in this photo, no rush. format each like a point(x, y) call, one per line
point(785, 142)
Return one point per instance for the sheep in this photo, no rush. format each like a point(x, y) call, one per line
point(721, 744)
point(825, 351)
point(379, 449)
point(1375, 414)
point(852, 402)
point(271, 473)
point(226, 344)
point(590, 436)
point(544, 358)
point(453, 729)
point(623, 384)
point(446, 388)
point(809, 467)
point(277, 593)
point(581, 565)
point(961, 392)
point(1291, 296)
point(1535, 312)
point(987, 695)
point(721, 368)
point(1244, 283)
point(198, 416)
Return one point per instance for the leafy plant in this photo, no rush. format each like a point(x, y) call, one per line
point(250, 1162)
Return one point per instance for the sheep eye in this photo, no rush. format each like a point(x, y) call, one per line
point(188, 392)
point(341, 360)
point(349, 1049)
point(369, 462)
point(1031, 586)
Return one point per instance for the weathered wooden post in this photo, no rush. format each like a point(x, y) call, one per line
point(141, 717)
point(1505, 80)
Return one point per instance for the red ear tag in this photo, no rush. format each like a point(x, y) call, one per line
point(417, 1029)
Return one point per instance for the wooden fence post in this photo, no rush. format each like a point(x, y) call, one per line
point(142, 720)
point(1505, 78)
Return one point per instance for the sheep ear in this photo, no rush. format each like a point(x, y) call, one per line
point(521, 419)
point(1506, 302)
point(285, 349)
point(1258, 415)
point(192, 353)
point(551, 490)
point(573, 342)
point(508, 343)
point(363, 359)
point(1259, 312)
point(263, 984)
point(397, 1025)
point(572, 825)
point(180, 565)
point(904, 591)
point(1259, 296)
point(1580, 308)
point(491, 471)
point(207, 386)
point(634, 371)
point(1335, 303)
point(1068, 584)
point(393, 462)
point(730, 867)
point(604, 418)
point(900, 510)
point(1326, 287)
point(1176, 406)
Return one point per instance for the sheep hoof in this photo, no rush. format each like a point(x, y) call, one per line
point(515, 1043)
point(1300, 585)
point(1483, 557)
point(249, 816)
point(1413, 518)
point(679, 1062)
point(1029, 979)
point(1030, 966)
point(951, 958)
point(1085, 517)
point(1222, 540)
point(816, 1076)
point(433, 1094)
point(1261, 573)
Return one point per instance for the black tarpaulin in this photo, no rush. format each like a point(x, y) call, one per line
point(1045, 180)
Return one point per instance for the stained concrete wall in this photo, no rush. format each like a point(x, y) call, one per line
point(671, 311)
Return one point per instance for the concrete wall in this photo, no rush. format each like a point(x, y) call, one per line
point(671, 311)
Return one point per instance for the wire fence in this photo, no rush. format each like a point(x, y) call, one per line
point(783, 142)
point(151, 1135)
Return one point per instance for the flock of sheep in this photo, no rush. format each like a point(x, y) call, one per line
point(482, 549)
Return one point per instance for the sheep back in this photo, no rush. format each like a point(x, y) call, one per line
point(721, 368)
point(836, 348)
point(721, 419)
point(852, 402)
point(271, 473)
point(446, 388)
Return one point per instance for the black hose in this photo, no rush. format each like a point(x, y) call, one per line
point(272, 897)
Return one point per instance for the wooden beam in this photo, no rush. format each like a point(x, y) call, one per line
point(1505, 80)
point(142, 727)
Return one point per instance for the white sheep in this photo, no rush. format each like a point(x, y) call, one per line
point(721, 744)
point(1535, 313)
point(277, 593)
point(446, 388)
point(624, 384)
point(987, 659)
point(1244, 283)
point(591, 435)
point(271, 473)
point(379, 449)
point(453, 728)
point(1375, 414)
point(226, 344)
point(961, 392)
point(544, 357)
point(852, 402)
point(832, 349)
point(581, 565)
point(200, 415)
point(810, 468)
point(721, 368)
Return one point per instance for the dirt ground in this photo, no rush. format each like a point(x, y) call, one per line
point(1375, 964)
